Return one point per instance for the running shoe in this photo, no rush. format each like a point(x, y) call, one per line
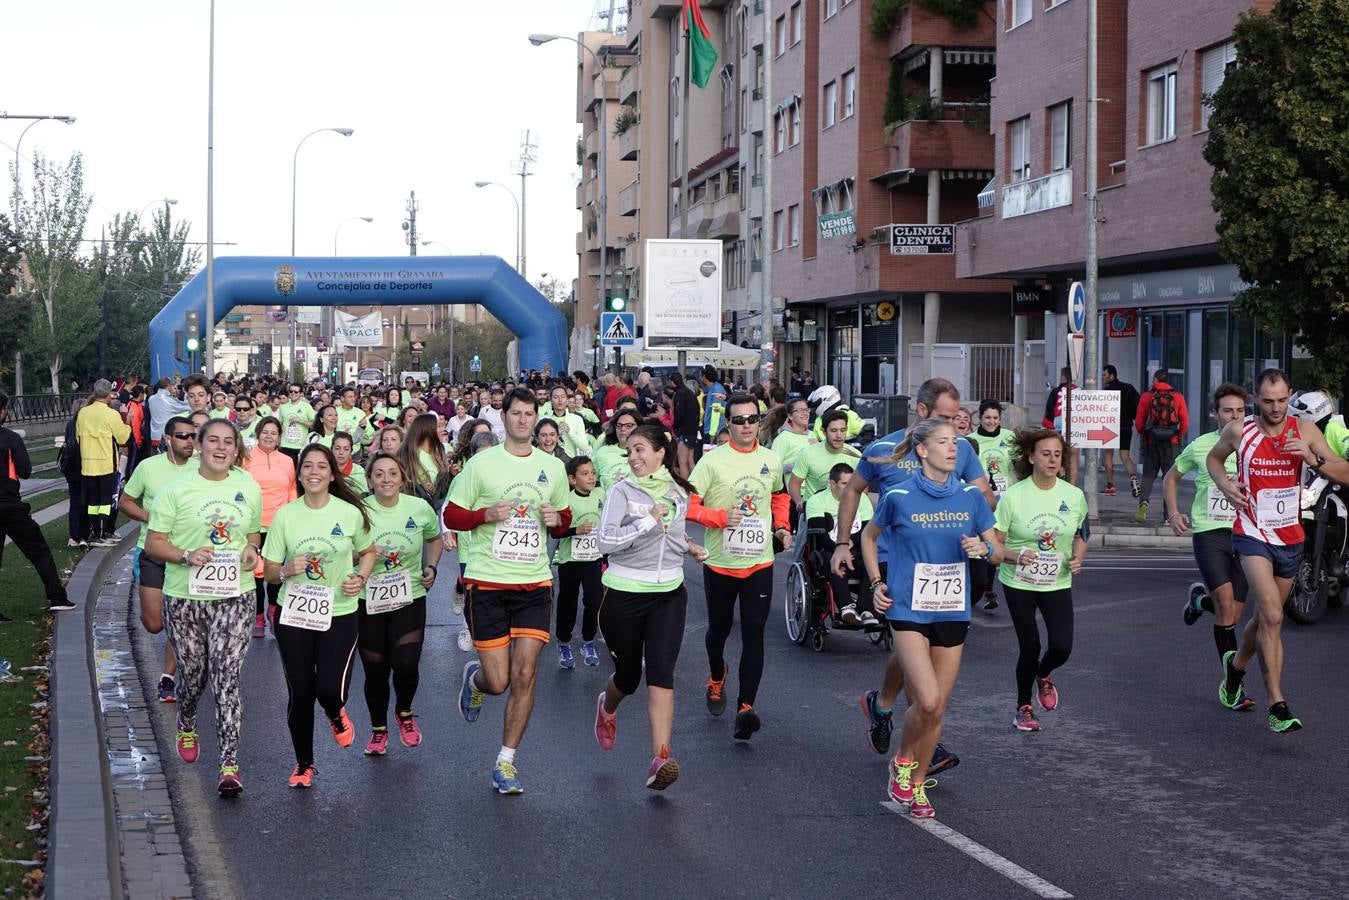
point(716, 697)
point(166, 689)
point(848, 614)
point(746, 722)
point(592, 658)
point(879, 727)
point(1193, 610)
point(408, 732)
point(606, 726)
point(921, 808)
point(942, 759)
point(343, 731)
point(259, 626)
point(457, 604)
point(990, 601)
point(1244, 702)
point(1047, 694)
point(379, 743)
point(1142, 515)
point(564, 657)
point(867, 618)
point(1025, 719)
point(901, 780)
point(1109, 490)
point(1281, 721)
point(664, 770)
point(61, 605)
point(506, 778)
point(230, 783)
point(187, 745)
point(1135, 486)
point(1229, 689)
point(303, 776)
point(470, 697)
point(465, 640)
point(84, 545)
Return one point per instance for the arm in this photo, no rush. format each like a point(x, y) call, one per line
point(1216, 460)
point(563, 523)
point(132, 507)
point(1179, 522)
point(1079, 554)
point(987, 546)
point(847, 511)
point(794, 489)
point(1312, 444)
point(705, 516)
point(158, 547)
point(18, 454)
point(619, 526)
point(1141, 417)
point(431, 552)
point(880, 595)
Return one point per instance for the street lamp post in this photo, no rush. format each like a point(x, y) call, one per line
point(519, 225)
point(167, 201)
point(338, 229)
point(294, 173)
point(603, 129)
point(68, 120)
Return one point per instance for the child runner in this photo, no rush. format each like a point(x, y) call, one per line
point(579, 565)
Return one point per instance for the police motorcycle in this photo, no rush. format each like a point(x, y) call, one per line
point(1323, 575)
point(826, 398)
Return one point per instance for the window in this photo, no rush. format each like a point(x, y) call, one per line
point(780, 35)
point(794, 136)
point(798, 23)
point(779, 230)
point(1217, 61)
point(830, 104)
point(830, 8)
point(1061, 136)
point(744, 109)
point(849, 93)
point(779, 131)
point(1161, 105)
point(742, 29)
point(1018, 12)
point(1018, 148)
point(794, 223)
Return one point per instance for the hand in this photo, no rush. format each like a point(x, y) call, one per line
point(733, 516)
point(200, 557)
point(551, 517)
point(428, 577)
point(449, 540)
point(880, 599)
point(1179, 522)
point(352, 584)
point(295, 567)
point(585, 529)
point(786, 537)
point(1298, 447)
point(841, 564)
point(698, 552)
point(249, 558)
point(1235, 494)
point(455, 468)
point(658, 512)
point(1075, 565)
point(1021, 557)
point(499, 511)
point(973, 547)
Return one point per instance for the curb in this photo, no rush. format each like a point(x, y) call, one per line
point(1137, 537)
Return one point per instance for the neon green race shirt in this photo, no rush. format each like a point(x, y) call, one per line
point(399, 533)
point(585, 510)
point(814, 462)
point(349, 420)
point(359, 483)
point(611, 465)
point(825, 503)
point(995, 452)
point(788, 444)
point(149, 480)
point(332, 536)
point(1211, 511)
point(1043, 521)
point(293, 434)
point(196, 512)
point(729, 478)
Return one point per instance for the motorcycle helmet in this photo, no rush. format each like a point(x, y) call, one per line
point(823, 398)
point(1311, 406)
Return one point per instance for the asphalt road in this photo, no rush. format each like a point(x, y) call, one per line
point(1140, 785)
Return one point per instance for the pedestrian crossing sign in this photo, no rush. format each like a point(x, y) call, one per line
point(618, 329)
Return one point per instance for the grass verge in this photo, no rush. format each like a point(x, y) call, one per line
point(39, 502)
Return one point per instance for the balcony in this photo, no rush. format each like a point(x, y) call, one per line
point(589, 191)
point(592, 144)
point(605, 85)
point(629, 143)
point(960, 140)
point(663, 9)
point(1038, 194)
point(700, 217)
point(581, 196)
point(755, 24)
point(755, 118)
point(918, 26)
point(725, 217)
point(627, 86)
point(629, 200)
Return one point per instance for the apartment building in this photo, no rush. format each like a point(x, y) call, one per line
point(1165, 294)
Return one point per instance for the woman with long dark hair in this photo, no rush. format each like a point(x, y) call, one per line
point(423, 458)
point(325, 426)
point(548, 438)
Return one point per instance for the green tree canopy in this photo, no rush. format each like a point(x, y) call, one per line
point(1279, 147)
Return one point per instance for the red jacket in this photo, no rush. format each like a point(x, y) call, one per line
point(1145, 404)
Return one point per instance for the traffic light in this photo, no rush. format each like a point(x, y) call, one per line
point(192, 331)
point(616, 303)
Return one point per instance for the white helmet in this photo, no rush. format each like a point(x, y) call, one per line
point(1311, 406)
point(823, 398)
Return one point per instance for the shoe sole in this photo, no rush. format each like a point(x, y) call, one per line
point(950, 761)
point(1295, 726)
point(368, 752)
point(507, 792)
point(232, 790)
point(665, 776)
point(928, 813)
point(1026, 729)
point(746, 732)
point(168, 699)
point(301, 786)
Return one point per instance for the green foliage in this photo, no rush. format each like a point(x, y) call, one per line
point(627, 117)
point(960, 13)
point(1279, 147)
point(15, 308)
point(896, 100)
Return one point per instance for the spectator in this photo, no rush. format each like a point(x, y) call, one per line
point(1128, 404)
point(1053, 417)
point(162, 405)
point(16, 520)
point(100, 431)
point(1162, 419)
point(714, 401)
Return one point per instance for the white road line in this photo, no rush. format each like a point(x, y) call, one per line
point(1000, 864)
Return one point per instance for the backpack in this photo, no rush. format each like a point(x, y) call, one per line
point(1163, 422)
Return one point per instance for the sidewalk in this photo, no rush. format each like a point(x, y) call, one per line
point(1116, 526)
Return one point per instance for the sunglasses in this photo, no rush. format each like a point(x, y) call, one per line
point(185, 435)
point(746, 420)
point(242, 408)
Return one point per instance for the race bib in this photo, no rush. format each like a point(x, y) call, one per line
point(518, 540)
point(938, 588)
point(1042, 571)
point(388, 591)
point(856, 527)
point(218, 578)
point(250, 443)
point(1277, 507)
point(585, 548)
point(1220, 509)
point(294, 434)
point(746, 540)
point(308, 606)
point(1000, 483)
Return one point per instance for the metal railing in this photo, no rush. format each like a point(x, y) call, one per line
point(33, 408)
point(991, 372)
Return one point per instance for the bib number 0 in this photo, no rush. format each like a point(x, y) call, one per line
point(308, 606)
point(938, 588)
point(746, 540)
point(1220, 509)
point(217, 578)
point(1277, 507)
point(518, 540)
point(585, 548)
point(1042, 571)
point(388, 591)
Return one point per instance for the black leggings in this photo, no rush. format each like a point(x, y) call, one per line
point(641, 627)
point(318, 667)
point(573, 579)
point(838, 584)
point(391, 643)
point(266, 592)
point(1057, 609)
point(982, 577)
point(755, 593)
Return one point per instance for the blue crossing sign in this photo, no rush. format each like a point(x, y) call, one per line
point(618, 329)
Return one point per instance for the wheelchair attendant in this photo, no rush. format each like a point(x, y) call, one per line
point(821, 516)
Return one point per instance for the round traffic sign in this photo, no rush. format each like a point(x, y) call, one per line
point(1077, 307)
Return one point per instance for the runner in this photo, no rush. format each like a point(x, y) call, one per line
point(324, 426)
point(645, 603)
point(795, 435)
point(822, 513)
point(930, 525)
point(507, 495)
point(205, 527)
point(274, 472)
point(138, 497)
point(936, 398)
point(739, 498)
point(1223, 590)
point(611, 457)
point(247, 421)
point(343, 445)
point(459, 540)
point(810, 470)
point(995, 445)
point(387, 413)
point(296, 416)
point(220, 406)
point(579, 565)
point(311, 545)
point(392, 615)
point(570, 425)
point(390, 439)
point(352, 419)
point(1042, 520)
point(1267, 536)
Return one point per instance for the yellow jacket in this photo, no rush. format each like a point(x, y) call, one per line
point(99, 430)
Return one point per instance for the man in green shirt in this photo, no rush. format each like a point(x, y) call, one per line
point(810, 472)
point(296, 417)
point(351, 418)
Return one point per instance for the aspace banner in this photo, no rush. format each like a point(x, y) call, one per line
point(357, 331)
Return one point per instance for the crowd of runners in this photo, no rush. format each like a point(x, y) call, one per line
point(324, 515)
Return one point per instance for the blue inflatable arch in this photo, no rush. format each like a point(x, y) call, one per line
point(365, 281)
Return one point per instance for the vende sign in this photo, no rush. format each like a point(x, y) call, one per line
point(1095, 419)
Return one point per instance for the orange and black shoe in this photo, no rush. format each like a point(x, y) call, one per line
point(746, 722)
point(716, 697)
point(303, 776)
point(343, 731)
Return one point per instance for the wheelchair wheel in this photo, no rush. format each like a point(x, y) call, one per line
point(817, 642)
point(797, 606)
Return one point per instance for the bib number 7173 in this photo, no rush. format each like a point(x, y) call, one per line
point(938, 587)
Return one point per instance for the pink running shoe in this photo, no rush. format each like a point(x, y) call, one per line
point(901, 780)
point(187, 745)
point(408, 732)
point(664, 771)
point(921, 808)
point(259, 626)
point(1025, 719)
point(1048, 694)
point(379, 743)
point(606, 725)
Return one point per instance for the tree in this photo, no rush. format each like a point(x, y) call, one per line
point(15, 306)
point(1279, 146)
point(558, 294)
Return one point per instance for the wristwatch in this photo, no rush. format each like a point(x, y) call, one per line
point(182, 561)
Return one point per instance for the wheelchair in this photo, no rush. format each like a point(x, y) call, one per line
point(812, 611)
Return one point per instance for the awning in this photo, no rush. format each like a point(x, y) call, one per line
point(728, 356)
point(969, 57)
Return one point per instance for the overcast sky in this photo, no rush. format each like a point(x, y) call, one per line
point(439, 94)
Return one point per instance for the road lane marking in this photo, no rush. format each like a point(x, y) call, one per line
point(977, 851)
